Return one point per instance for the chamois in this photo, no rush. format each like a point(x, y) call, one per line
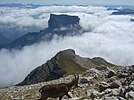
point(58, 90)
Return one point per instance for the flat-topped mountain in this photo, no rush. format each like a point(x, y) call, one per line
point(58, 21)
point(61, 25)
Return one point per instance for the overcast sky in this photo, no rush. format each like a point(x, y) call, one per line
point(73, 2)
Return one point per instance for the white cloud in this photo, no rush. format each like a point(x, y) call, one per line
point(109, 36)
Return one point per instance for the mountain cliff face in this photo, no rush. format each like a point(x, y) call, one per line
point(63, 63)
point(58, 21)
point(61, 25)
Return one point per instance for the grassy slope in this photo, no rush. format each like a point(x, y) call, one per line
point(69, 65)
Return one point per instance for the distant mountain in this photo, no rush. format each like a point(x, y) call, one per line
point(19, 5)
point(123, 12)
point(132, 20)
point(61, 25)
point(63, 63)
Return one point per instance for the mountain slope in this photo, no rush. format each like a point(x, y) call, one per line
point(3, 40)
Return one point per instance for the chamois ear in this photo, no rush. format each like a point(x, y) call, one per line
point(75, 76)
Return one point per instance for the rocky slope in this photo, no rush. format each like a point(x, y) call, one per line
point(60, 25)
point(97, 83)
point(63, 63)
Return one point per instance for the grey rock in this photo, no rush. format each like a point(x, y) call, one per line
point(83, 81)
point(132, 76)
point(110, 98)
point(111, 73)
point(115, 84)
point(96, 95)
point(102, 68)
point(91, 73)
point(129, 88)
point(132, 83)
point(130, 95)
point(122, 75)
point(121, 98)
point(108, 91)
point(103, 86)
point(115, 92)
point(122, 92)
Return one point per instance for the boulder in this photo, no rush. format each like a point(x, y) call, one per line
point(130, 95)
point(121, 98)
point(91, 73)
point(132, 77)
point(102, 68)
point(132, 83)
point(115, 92)
point(111, 73)
point(96, 95)
point(110, 98)
point(83, 81)
point(115, 84)
point(122, 92)
point(103, 86)
point(123, 75)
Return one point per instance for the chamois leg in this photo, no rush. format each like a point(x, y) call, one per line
point(60, 97)
point(68, 95)
point(43, 99)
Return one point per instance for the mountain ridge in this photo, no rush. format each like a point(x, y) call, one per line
point(63, 63)
point(60, 25)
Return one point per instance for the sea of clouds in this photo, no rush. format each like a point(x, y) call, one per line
point(108, 36)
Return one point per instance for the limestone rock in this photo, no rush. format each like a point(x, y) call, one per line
point(111, 73)
point(83, 81)
point(130, 95)
point(103, 86)
point(115, 84)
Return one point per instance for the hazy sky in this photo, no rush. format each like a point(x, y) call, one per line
point(73, 2)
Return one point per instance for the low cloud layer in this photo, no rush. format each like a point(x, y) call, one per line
point(109, 36)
